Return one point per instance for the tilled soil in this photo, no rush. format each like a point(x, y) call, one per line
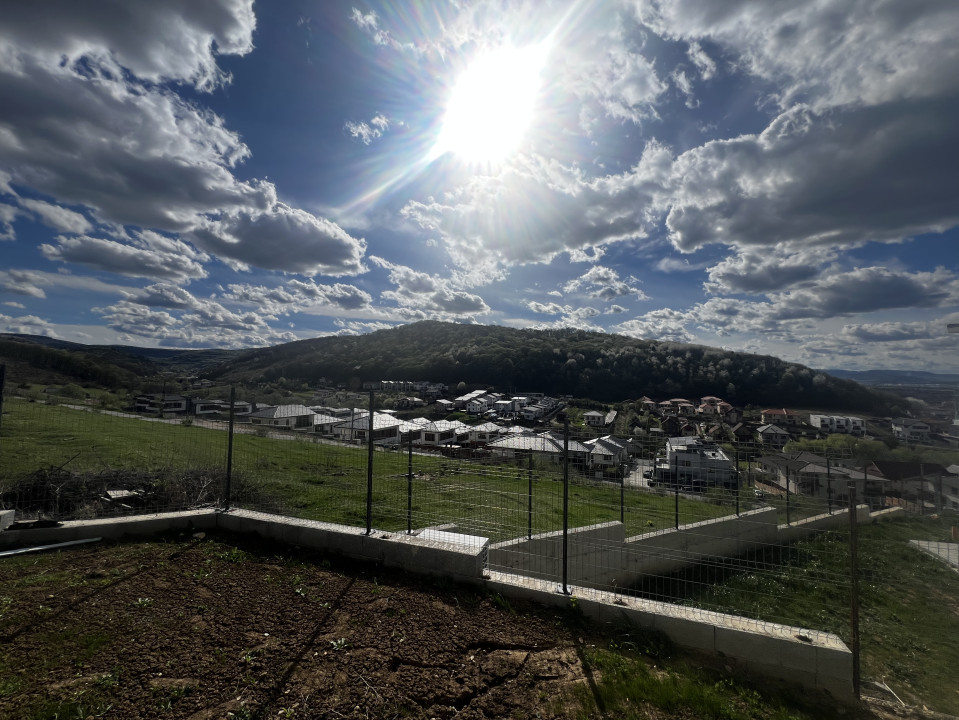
point(198, 628)
point(203, 627)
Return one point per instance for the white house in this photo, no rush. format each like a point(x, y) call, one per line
point(287, 416)
point(158, 403)
point(594, 418)
point(838, 424)
point(910, 430)
point(695, 463)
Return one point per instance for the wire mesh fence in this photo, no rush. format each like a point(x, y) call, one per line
point(767, 538)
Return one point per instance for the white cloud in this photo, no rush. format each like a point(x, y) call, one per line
point(603, 283)
point(754, 270)
point(176, 40)
point(284, 238)
point(835, 52)
point(112, 256)
point(26, 325)
point(297, 295)
point(59, 218)
point(421, 295)
point(23, 282)
point(366, 133)
point(11, 303)
point(7, 215)
point(839, 179)
point(664, 324)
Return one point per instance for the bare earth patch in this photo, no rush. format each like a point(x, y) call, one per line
point(206, 627)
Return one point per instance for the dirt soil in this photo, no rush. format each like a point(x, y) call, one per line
point(201, 627)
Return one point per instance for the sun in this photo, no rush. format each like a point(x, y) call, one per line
point(492, 105)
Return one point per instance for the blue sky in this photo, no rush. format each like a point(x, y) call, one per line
point(768, 176)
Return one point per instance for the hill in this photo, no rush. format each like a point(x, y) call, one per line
point(600, 366)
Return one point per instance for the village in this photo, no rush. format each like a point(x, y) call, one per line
point(673, 445)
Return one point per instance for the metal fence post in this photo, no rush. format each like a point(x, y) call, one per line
point(854, 587)
point(738, 484)
point(409, 488)
point(622, 496)
point(229, 452)
point(787, 494)
point(369, 469)
point(529, 496)
point(829, 486)
point(565, 503)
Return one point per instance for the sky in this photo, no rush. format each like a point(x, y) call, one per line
point(770, 176)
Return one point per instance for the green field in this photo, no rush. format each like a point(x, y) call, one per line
point(304, 477)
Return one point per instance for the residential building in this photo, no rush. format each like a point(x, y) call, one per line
point(782, 417)
point(838, 424)
point(157, 404)
point(772, 436)
point(284, 416)
point(909, 430)
point(693, 463)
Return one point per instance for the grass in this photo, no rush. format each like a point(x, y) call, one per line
point(321, 480)
point(909, 617)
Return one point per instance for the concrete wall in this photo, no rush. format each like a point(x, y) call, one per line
point(601, 557)
point(588, 549)
point(806, 657)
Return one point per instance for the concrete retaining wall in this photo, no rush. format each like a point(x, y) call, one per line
point(806, 657)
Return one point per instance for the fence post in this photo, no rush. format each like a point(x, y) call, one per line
point(3, 385)
point(738, 484)
point(565, 502)
point(229, 452)
point(529, 497)
point(854, 586)
point(787, 495)
point(622, 496)
point(409, 488)
point(369, 469)
point(829, 486)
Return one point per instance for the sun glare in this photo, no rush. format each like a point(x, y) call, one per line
point(492, 105)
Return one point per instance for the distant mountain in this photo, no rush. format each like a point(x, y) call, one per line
point(597, 366)
point(42, 359)
point(896, 377)
point(600, 366)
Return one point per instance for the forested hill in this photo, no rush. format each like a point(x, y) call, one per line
point(600, 366)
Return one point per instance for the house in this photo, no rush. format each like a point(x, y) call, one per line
point(547, 445)
point(838, 424)
point(157, 404)
point(772, 436)
point(484, 433)
point(286, 416)
point(782, 417)
point(801, 474)
point(910, 430)
point(693, 463)
point(386, 429)
point(921, 485)
point(594, 418)
point(607, 453)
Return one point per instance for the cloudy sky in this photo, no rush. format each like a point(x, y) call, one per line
point(775, 176)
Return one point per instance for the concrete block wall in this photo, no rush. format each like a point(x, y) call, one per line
point(805, 657)
point(590, 550)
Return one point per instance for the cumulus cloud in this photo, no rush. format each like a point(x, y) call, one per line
point(837, 179)
point(532, 212)
point(429, 296)
point(57, 217)
point(7, 215)
point(26, 325)
point(285, 238)
point(297, 295)
point(366, 133)
point(752, 270)
point(172, 260)
point(603, 283)
point(23, 282)
point(835, 52)
point(663, 324)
